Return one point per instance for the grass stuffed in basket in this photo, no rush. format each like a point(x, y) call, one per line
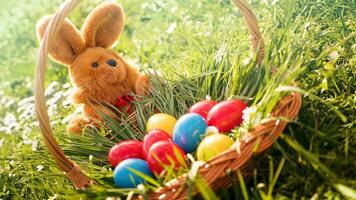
point(179, 140)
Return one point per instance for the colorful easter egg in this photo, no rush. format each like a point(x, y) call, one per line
point(203, 107)
point(152, 137)
point(189, 131)
point(126, 176)
point(161, 121)
point(124, 150)
point(226, 115)
point(165, 154)
point(213, 145)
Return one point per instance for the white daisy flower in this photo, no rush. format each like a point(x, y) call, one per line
point(39, 167)
point(171, 28)
point(251, 117)
point(211, 130)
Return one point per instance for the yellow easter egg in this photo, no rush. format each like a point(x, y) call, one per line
point(161, 121)
point(213, 145)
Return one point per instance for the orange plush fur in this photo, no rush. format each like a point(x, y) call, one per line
point(97, 73)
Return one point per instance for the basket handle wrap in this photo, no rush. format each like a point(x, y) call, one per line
point(71, 170)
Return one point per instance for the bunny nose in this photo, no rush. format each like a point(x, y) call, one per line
point(112, 63)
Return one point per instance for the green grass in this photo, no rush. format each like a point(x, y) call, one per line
point(315, 40)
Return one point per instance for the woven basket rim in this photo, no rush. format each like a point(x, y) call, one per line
point(235, 158)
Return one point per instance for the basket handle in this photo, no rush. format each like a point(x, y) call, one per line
point(71, 170)
point(257, 43)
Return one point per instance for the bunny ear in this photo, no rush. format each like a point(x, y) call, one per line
point(67, 44)
point(103, 25)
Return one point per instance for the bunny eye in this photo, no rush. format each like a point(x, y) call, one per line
point(112, 63)
point(95, 65)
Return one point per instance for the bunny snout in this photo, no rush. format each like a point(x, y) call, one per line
point(111, 72)
point(109, 76)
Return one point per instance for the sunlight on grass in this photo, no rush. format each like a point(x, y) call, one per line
point(199, 48)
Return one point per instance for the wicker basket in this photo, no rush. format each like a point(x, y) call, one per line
point(215, 171)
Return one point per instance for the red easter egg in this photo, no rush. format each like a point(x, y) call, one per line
point(203, 107)
point(152, 137)
point(165, 154)
point(226, 115)
point(124, 150)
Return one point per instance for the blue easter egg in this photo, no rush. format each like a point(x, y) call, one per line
point(125, 177)
point(189, 131)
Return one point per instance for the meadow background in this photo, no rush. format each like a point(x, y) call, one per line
point(316, 159)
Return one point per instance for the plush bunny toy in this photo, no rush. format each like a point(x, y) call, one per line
point(97, 73)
